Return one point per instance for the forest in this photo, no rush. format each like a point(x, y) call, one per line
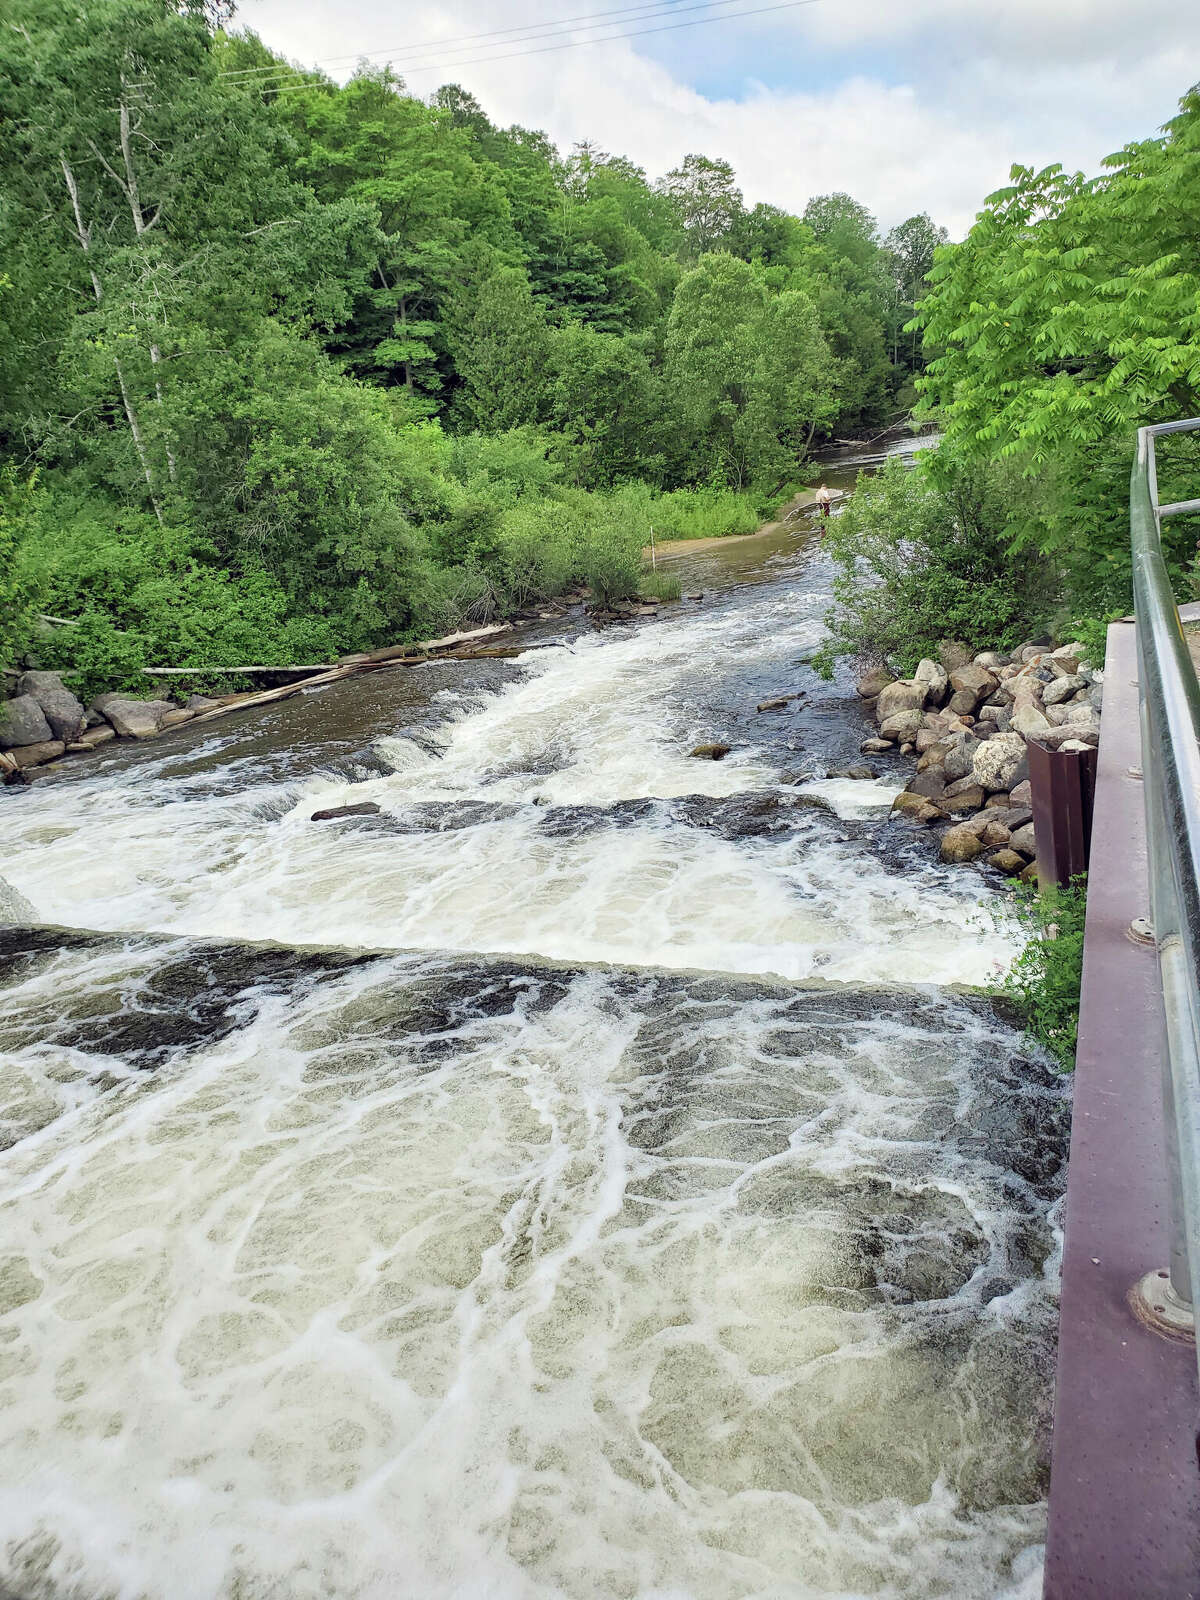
point(292, 369)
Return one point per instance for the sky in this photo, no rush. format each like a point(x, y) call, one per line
point(909, 105)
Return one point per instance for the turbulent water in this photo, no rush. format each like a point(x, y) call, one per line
point(581, 1179)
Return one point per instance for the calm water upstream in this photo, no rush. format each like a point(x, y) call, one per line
point(586, 1178)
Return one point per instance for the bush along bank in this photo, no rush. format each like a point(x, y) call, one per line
point(966, 718)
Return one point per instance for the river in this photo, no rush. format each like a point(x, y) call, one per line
point(591, 1176)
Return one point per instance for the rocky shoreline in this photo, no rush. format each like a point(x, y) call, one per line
point(967, 718)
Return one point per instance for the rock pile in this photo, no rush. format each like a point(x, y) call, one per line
point(966, 719)
point(43, 720)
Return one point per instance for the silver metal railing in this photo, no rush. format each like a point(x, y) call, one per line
point(1170, 713)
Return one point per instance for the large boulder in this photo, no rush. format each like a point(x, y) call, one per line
point(133, 719)
point(902, 695)
point(936, 681)
point(62, 710)
point(1000, 762)
point(22, 722)
point(973, 679)
point(916, 807)
point(1024, 840)
point(931, 784)
point(902, 726)
point(1029, 719)
point(873, 681)
point(961, 843)
point(1007, 861)
point(960, 758)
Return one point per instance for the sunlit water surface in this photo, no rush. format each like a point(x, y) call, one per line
point(618, 1200)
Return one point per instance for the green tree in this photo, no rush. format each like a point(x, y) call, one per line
point(708, 201)
point(502, 357)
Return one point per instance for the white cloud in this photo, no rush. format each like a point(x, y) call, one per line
point(973, 87)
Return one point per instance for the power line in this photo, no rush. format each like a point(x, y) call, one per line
point(573, 44)
point(662, 6)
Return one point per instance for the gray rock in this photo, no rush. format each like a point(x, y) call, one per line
point(200, 702)
point(34, 755)
point(1027, 719)
point(960, 758)
point(861, 774)
point(62, 710)
point(1082, 714)
point(991, 659)
point(1023, 839)
point(1074, 744)
point(902, 695)
point(961, 843)
point(873, 680)
point(1006, 861)
point(133, 719)
point(936, 678)
point(903, 726)
point(22, 722)
point(1000, 762)
point(963, 702)
point(1062, 688)
point(1022, 794)
point(978, 680)
point(1056, 715)
point(875, 747)
point(916, 807)
point(931, 784)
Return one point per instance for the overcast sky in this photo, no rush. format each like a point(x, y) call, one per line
point(910, 105)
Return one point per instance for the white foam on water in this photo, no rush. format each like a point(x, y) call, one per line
point(604, 721)
point(398, 1291)
point(855, 798)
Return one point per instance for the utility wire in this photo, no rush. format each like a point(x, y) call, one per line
point(664, 7)
point(572, 44)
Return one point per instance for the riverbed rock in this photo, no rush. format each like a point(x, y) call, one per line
point(916, 807)
point(711, 752)
point(902, 727)
point(93, 738)
point(366, 808)
point(875, 747)
point(968, 799)
point(961, 843)
point(133, 719)
point(35, 755)
point(1024, 840)
point(200, 702)
point(861, 774)
point(936, 680)
point(952, 654)
point(1006, 861)
point(62, 710)
point(930, 784)
point(780, 703)
point(1000, 762)
point(22, 722)
point(873, 681)
point(901, 695)
point(176, 716)
point(933, 755)
point(994, 833)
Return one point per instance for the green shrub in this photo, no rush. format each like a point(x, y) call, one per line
point(17, 499)
point(1044, 980)
point(660, 586)
point(922, 554)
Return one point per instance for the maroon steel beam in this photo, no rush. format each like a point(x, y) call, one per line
point(1124, 1520)
point(1062, 786)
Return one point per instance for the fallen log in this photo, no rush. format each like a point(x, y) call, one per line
point(180, 672)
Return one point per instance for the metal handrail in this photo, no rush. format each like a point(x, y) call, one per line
point(1170, 713)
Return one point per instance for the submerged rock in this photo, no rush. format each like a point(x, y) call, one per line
point(365, 808)
point(711, 752)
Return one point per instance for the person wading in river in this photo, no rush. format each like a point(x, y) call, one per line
point(824, 500)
